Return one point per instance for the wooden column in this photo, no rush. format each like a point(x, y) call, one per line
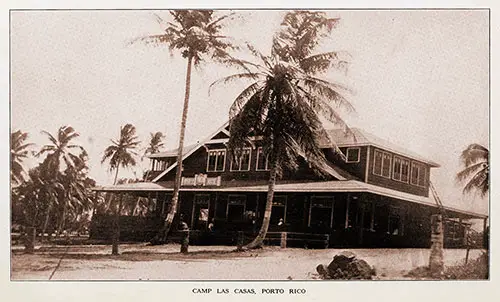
point(347, 211)
point(361, 211)
point(116, 227)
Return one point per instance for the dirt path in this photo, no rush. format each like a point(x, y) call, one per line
point(141, 262)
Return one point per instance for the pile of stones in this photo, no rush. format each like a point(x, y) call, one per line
point(346, 266)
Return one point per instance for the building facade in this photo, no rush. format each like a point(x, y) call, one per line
point(378, 196)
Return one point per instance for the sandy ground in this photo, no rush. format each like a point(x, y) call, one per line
point(142, 262)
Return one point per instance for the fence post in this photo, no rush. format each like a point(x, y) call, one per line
point(240, 241)
point(283, 240)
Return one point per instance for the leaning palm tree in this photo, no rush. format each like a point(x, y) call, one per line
point(475, 159)
point(283, 105)
point(197, 35)
point(122, 151)
point(19, 150)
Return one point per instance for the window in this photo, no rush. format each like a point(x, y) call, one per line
point(236, 205)
point(382, 163)
point(352, 155)
point(418, 176)
point(278, 210)
point(262, 161)
point(243, 162)
point(199, 214)
point(400, 169)
point(216, 160)
point(321, 213)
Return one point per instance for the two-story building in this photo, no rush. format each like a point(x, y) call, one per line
point(377, 197)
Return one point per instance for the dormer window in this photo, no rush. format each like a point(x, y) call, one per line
point(352, 155)
point(216, 160)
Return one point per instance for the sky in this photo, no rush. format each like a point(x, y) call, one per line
point(419, 80)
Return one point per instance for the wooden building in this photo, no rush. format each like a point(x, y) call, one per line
point(378, 197)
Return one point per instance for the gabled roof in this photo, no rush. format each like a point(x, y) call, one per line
point(193, 149)
point(360, 137)
point(172, 152)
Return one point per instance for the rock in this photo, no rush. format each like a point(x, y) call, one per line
point(359, 268)
point(322, 271)
point(340, 261)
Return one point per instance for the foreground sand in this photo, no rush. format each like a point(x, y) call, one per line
point(142, 262)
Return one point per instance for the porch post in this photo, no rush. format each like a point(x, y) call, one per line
point(360, 225)
point(372, 222)
point(346, 226)
point(96, 198)
point(486, 234)
point(116, 227)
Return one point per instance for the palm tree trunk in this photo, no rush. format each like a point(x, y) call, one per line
point(177, 184)
point(259, 240)
point(46, 223)
point(116, 173)
point(61, 223)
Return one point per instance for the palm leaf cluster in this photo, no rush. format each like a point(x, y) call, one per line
point(195, 33)
point(155, 143)
point(475, 159)
point(19, 151)
point(122, 151)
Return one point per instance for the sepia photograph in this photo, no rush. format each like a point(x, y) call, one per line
point(246, 145)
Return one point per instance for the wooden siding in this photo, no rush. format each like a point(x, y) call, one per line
point(356, 169)
point(197, 163)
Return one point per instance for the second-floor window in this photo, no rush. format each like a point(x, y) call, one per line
point(262, 161)
point(216, 160)
point(400, 169)
point(243, 162)
point(417, 174)
point(382, 163)
point(352, 155)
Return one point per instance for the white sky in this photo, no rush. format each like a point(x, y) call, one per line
point(420, 80)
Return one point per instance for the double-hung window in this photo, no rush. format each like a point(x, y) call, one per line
point(262, 160)
point(216, 160)
point(242, 162)
point(382, 163)
point(418, 174)
point(400, 169)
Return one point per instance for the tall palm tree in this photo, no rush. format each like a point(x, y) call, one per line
point(283, 105)
point(19, 150)
point(476, 174)
point(197, 35)
point(122, 151)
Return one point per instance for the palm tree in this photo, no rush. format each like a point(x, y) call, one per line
point(283, 105)
point(59, 153)
point(155, 143)
point(122, 151)
point(476, 173)
point(59, 156)
point(197, 35)
point(19, 150)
